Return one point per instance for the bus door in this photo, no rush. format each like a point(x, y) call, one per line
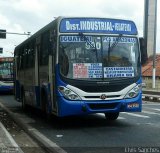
point(51, 82)
point(16, 82)
point(52, 56)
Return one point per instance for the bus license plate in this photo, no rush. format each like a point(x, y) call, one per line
point(133, 105)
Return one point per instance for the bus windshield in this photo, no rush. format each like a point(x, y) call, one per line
point(98, 57)
point(6, 70)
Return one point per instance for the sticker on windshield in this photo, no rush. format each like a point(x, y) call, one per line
point(87, 70)
point(75, 39)
point(117, 72)
point(120, 40)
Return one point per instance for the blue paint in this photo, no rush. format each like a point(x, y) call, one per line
point(67, 107)
point(6, 88)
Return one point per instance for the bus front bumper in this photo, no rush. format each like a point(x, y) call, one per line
point(67, 107)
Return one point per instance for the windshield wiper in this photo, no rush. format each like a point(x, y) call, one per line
point(86, 39)
point(94, 48)
point(116, 42)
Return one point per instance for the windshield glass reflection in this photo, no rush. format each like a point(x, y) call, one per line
point(98, 57)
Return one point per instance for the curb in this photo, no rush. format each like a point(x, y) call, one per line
point(14, 146)
point(42, 140)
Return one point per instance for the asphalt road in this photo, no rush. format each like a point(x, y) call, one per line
point(131, 132)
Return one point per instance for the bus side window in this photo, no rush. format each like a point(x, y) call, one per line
point(31, 55)
point(64, 61)
point(18, 60)
point(21, 58)
point(52, 42)
point(26, 50)
point(44, 49)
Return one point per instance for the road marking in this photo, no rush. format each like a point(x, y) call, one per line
point(152, 113)
point(136, 115)
point(156, 109)
point(150, 103)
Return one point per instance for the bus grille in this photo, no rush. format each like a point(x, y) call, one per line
point(103, 106)
point(110, 96)
point(101, 88)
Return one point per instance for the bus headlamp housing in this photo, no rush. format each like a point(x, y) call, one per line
point(133, 92)
point(68, 94)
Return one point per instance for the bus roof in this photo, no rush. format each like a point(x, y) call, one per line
point(88, 25)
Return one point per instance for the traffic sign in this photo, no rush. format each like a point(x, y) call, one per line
point(2, 34)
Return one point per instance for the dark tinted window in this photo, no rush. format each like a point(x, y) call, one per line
point(31, 55)
point(45, 46)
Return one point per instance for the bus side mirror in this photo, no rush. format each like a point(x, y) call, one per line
point(143, 49)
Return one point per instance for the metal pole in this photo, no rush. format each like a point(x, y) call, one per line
point(28, 33)
point(154, 49)
point(145, 26)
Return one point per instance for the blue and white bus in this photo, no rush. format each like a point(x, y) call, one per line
point(79, 66)
point(6, 74)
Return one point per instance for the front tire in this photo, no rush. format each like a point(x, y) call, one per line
point(111, 116)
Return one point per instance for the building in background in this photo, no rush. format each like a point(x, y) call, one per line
point(147, 72)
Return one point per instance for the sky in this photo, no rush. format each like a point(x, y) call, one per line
point(22, 16)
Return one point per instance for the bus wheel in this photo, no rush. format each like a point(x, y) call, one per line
point(111, 116)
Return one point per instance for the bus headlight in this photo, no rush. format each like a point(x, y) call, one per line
point(134, 92)
point(68, 94)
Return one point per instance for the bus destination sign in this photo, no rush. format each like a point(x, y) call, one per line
point(93, 25)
